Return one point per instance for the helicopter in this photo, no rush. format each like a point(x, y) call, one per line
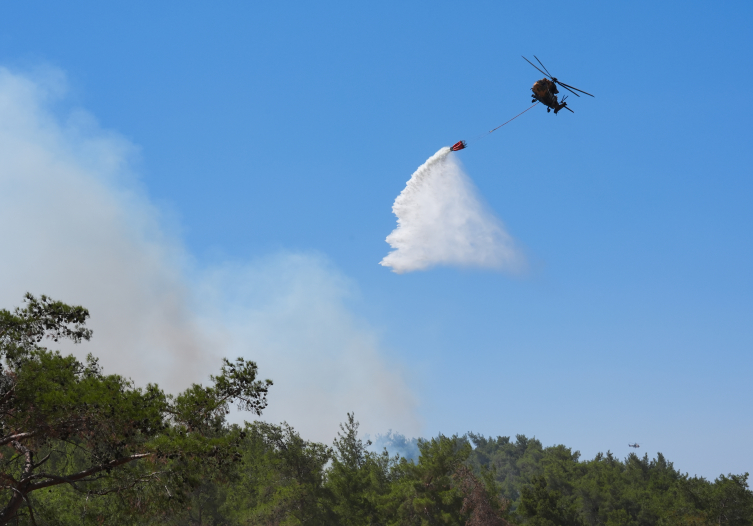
point(545, 90)
point(636, 445)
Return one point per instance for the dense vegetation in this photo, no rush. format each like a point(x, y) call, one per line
point(81, 447)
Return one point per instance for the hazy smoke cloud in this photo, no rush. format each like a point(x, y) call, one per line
point(441, 221)
point(78, 228)
point(288, 312)
point(396, 444)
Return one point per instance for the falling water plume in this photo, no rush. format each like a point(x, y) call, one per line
point(441, 220)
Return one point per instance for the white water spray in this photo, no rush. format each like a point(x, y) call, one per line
point(442, 221)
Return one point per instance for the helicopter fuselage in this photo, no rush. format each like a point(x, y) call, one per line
point(545, 91)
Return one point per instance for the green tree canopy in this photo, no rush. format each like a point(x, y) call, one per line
point(66, 422)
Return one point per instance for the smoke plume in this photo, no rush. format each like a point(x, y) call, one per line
point(442, 221)
point(79, 227)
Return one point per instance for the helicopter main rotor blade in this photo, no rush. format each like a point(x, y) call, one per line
point(543, 66)
point(568, 89)
point(567, 86)
point(534, 65)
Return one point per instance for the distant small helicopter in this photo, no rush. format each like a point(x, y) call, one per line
point(636, 445)
point(545, 90)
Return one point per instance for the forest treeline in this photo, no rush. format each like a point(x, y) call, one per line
point(78, 446)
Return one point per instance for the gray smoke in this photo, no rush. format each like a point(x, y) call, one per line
point(396, 444)
point(79, 227)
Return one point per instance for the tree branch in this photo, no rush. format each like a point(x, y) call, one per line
point(19, 491)
point(114, 489)
point(7, 395)
point(54, 480)
point(45, 459)
point(18, 436)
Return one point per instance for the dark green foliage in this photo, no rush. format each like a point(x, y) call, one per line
point(542, 505)
point(24, 328)
point(424, 492)
point(357, 479)
point(552, 486)
point(440, 489)
point(64, 422)
point(79, 447)
point(280, 479)
point(727, 501)
point(514, 463)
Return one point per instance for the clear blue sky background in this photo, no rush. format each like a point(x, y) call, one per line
point(272, 126)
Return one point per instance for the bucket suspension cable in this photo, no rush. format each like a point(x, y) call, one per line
point(518, 115)
point(463, 144)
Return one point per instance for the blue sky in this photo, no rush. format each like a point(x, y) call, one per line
point(289, 128)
